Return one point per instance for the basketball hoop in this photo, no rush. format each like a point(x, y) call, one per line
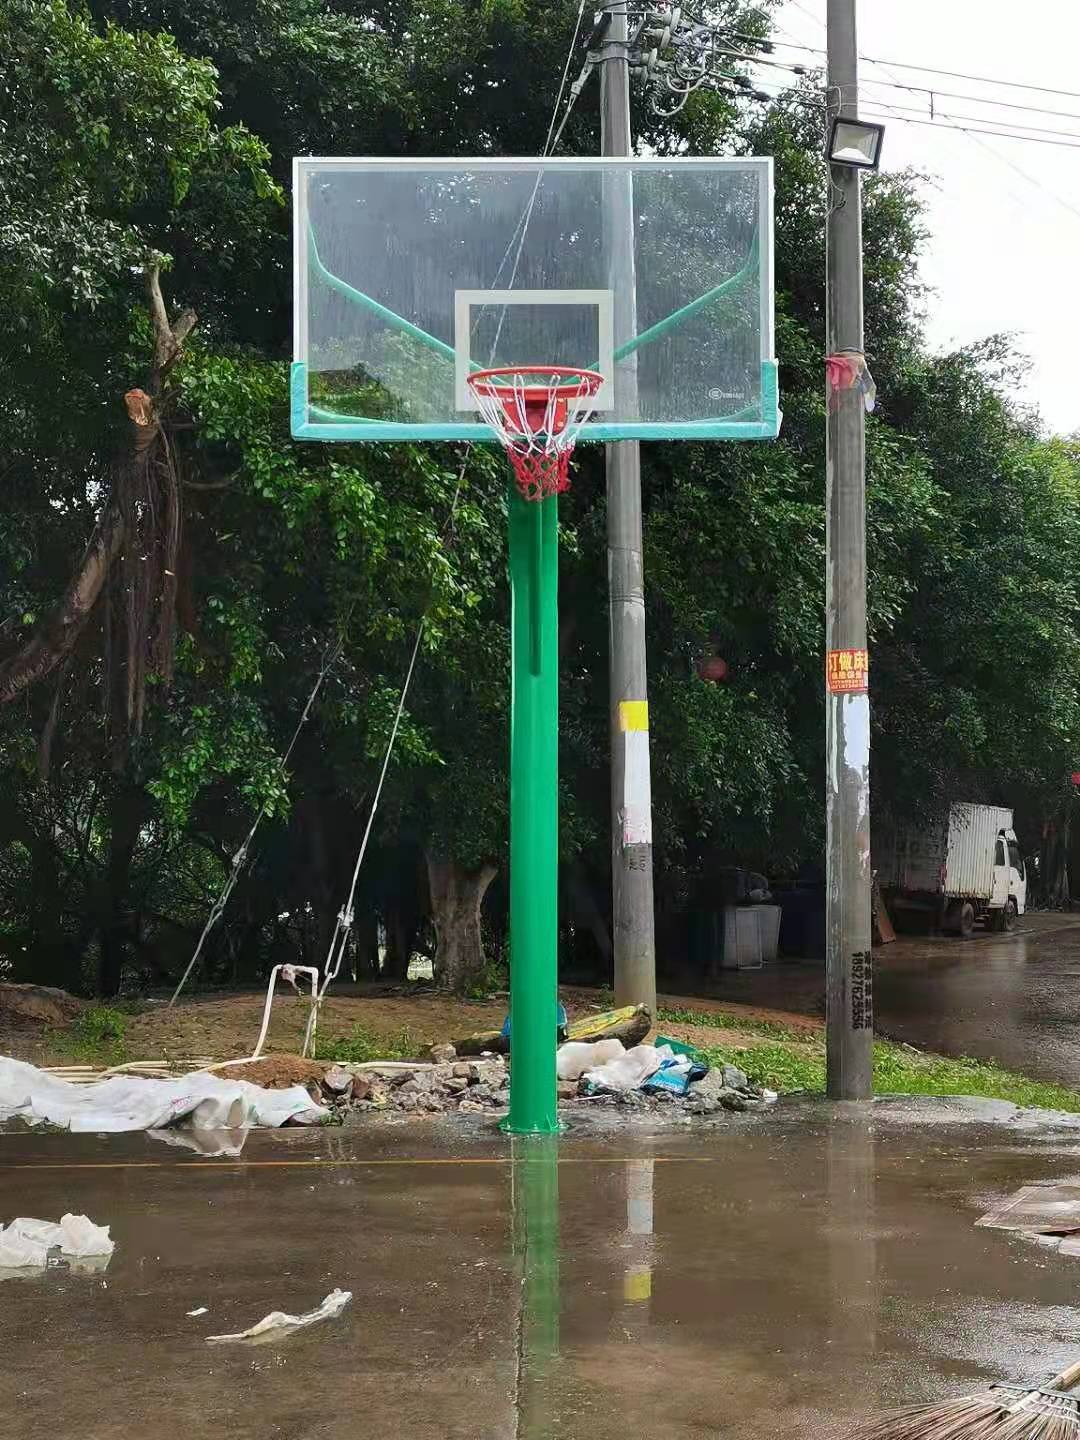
point(537, 413)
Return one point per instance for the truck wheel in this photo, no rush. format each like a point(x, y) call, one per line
point(1008, 917)
point(966, 920)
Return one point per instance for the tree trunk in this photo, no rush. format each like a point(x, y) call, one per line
point(457, 895)
point(402, 904)
point(1054, 862)
point(366, 937)
point(126, 812)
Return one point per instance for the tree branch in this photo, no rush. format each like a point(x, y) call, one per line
point(54, 641)
point(164, 343)
point(168, 339)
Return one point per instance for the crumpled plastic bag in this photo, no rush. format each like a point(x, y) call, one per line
point(675, 1074)
point(26, 1242)
point(577, 1056)
point(627, 1071)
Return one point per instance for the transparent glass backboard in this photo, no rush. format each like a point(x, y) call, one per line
point(410, 274)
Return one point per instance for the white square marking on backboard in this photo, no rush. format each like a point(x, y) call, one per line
point(603, 300)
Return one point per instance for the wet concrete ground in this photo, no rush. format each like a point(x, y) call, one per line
point(776, 1275)
point(1011, 998)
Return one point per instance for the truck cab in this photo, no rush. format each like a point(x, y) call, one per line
point(1008, 898)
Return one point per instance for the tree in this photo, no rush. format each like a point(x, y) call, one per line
point(142, 167)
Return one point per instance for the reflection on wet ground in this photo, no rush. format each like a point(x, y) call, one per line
point(777, 1274)
point(1011, 998)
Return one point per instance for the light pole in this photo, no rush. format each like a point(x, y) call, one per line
point(848, 964)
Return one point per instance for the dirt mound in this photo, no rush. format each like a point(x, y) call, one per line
point(36, 1005)
point(276, 1072)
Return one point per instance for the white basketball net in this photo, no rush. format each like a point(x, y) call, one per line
point(538, 415)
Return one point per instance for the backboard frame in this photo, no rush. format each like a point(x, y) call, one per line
point(310, 422)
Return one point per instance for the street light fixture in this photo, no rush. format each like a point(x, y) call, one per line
point(856, 143)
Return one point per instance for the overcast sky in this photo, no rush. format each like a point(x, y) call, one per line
point(1004, 214)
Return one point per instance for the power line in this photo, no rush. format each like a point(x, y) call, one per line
point(874, 106)
point(894, 84)
point(975, 99)
point(935, 124)
point(975, 137)
point(929, 69)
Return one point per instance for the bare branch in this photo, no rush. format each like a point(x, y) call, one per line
point(184, 326)
point(164, 343)
point(168, 339)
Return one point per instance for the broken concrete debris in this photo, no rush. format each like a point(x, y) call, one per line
point(480, 1085)
point(474, 1085)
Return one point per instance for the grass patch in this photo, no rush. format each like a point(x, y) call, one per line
point(96, 1037)
point(722, 1020)
point(360, 1045)
point(799, 1065)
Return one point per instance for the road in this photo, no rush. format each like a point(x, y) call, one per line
point(772, 1275)
point(1011, 998)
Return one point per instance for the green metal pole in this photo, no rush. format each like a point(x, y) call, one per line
point(534, 814)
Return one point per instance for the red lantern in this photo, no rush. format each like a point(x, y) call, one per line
point(1075, 778)
point(712, 667)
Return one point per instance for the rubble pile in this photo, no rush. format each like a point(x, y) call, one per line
point(480, 1085)
point(469, 1086)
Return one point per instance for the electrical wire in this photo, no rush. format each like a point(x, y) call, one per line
point(930, 69)
point(987, 124)
point(552, 139)
point(975, 99)
point(1072, 143)
point(975, 136)
point(330, 657)
point(932, 92)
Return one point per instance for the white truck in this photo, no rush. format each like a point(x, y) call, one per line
point(965, 868)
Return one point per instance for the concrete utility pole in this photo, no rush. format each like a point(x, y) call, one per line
point(631, 796)
point(848, 967)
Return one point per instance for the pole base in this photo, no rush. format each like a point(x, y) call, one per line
point(508, 1126)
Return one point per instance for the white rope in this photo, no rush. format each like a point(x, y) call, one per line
point(329, 658)
point(343, 925)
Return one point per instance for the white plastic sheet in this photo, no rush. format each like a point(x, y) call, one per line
point(577, 1056)
point(127, 1102)
point(279, 1323)
point(630, 1069)
point(26, 1242)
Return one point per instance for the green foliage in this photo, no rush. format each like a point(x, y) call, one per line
point(789, 1067)
point(138, 127)
point(96, 1036)
point(360, 1046)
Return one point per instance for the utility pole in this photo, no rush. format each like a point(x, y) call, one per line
point(631, 795)
point(848, 966)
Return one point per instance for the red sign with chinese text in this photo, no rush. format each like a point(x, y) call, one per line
point(847, 672)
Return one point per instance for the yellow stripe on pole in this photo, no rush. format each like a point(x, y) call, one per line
point(633, 715)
